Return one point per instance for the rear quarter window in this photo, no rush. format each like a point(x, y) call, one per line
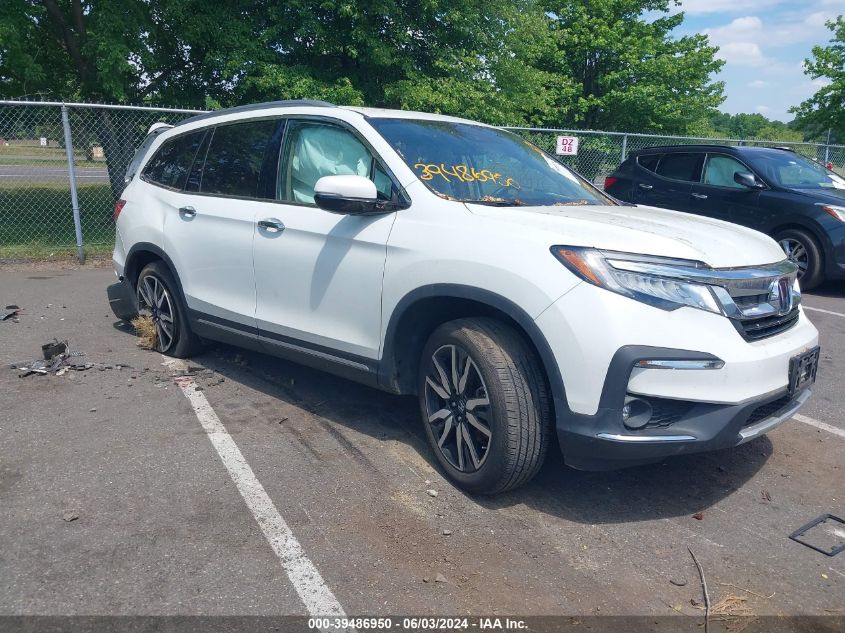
point(170, 165)
point(649, 161)
point(681, 166)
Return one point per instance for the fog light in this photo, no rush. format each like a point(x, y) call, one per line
point(636, 413)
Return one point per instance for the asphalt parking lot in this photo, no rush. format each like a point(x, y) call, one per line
point(165, 526)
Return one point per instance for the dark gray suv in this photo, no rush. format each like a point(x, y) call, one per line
point(795, 200)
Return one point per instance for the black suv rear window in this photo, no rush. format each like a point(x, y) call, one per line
point(681, 166)
point(649, 161)
point(171, 163)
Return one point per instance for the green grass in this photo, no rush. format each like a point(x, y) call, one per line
point(37, 221)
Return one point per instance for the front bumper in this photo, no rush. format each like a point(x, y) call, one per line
point(603, 442)
point(597, 337)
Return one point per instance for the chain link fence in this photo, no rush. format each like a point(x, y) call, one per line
point(62, 168)
point(61, 171)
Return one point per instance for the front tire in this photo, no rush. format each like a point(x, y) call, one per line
point(803, 250)
point(159, 299)
point(485, 405)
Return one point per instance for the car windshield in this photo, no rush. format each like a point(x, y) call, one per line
point(787, 169)
point(474, 163)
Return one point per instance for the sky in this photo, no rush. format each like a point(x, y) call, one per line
point(764, 44)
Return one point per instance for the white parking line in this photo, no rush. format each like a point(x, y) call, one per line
point(839, 314)
point(312, 589)
point(819, 425)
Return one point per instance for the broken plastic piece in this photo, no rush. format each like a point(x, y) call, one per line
point(825, 534)
point(51, 350)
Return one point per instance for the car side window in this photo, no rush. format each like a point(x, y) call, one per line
point(237, 156)
point(681, 166)
point(314, 149)
point(170, 165)
point(649, 161)
point(719, 171)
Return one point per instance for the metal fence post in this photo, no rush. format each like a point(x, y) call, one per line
point(624, 147)
point(827, 149)
point(71, 172)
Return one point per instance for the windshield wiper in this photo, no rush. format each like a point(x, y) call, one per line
point(496, 202)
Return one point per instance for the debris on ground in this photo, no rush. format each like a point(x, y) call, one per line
point(678, 582)
point(58, 358)
point(698, 516)
point(431, 492)
point(51, 350)
point(13, 314)
point(734, 612)
point(69, 515)
point(825, 534)
point(447, 532)
point(145, 329)
point(703, 590)
point(440, 578)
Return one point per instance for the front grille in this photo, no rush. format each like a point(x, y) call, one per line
point(764, 327)
point(750, 301)
point(767, 410)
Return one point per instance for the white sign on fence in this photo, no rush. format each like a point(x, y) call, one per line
point(566, 146)
point(43, 142)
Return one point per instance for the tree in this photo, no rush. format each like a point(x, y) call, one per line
point(825, 110)
point(626, 71)
point(459, 57)
point(124, 51)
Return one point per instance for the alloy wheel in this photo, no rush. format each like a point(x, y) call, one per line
point(458, 408)
point(155, 302)
point(797, 253)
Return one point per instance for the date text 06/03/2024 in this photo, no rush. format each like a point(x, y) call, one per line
point(418, 624)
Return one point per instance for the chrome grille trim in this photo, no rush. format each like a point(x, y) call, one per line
point(761, 301)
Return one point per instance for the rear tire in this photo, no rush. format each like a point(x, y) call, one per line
point(159, 298)
point(802, 249)
point(485, 405)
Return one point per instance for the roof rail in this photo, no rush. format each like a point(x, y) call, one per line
point(290, 103)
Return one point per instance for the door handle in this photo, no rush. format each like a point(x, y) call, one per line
point(188, 212)
point(700, 196)
point(645, 186)
point(271, 225)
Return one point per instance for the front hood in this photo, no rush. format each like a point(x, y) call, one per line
point(644, 230)
point(829, 195)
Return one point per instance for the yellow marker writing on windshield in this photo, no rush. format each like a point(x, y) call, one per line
point(462, 173)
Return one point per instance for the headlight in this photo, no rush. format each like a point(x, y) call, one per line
point(834, 210)
point(651, 280)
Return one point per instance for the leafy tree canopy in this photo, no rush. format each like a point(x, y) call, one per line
point(750, 126)
point(626, 70)
point(581, 63)
point(825, 110)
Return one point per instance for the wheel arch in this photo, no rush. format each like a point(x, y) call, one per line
point(142, 254)
point(421, 311)
point(815, 232)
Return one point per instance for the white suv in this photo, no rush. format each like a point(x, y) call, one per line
point(450, 260)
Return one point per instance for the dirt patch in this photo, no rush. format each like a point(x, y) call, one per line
point(54, 264)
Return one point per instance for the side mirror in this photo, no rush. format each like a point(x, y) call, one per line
point(747, 180)
point(348, 195)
